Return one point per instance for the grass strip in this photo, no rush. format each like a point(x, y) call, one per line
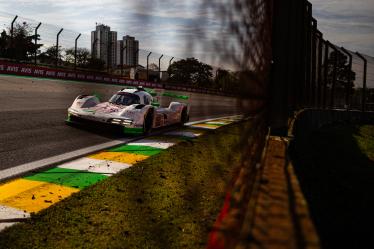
point(335, 167)
point(170, 200)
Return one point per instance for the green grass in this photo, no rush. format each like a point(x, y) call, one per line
point(335, 167)
point(170, 200)
point(365, 140)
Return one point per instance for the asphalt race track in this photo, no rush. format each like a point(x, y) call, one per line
point(32, 114)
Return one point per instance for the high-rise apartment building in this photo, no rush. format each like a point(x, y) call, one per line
point(104, 45)
point(128, 51)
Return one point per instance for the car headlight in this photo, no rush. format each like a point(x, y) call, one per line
point(118, 121)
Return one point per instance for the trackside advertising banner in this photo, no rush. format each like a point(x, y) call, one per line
point(44, 72)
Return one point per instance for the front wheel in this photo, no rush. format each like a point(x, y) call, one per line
point(184, 116)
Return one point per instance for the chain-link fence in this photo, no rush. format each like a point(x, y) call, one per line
point(152, 66)
point(48, 38)
point(310, 72)
point(328, 76)
point(246, 74)
point(338, 77)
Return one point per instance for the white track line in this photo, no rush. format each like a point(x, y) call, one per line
point(95, 166)
point(232, 118)
point(24, 168)
point(7, 214)
point(153, 143)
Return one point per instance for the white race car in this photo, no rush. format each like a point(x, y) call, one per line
point(133, 109)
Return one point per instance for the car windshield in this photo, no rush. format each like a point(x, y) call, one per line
point(125, 99)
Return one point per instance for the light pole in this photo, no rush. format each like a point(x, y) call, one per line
point(36, 42)
point(75, 52)
point(159, 67)
point(148, 65)
point(57, 39)
point(364, 81)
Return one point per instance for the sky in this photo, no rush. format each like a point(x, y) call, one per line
point(348, 23)
point(168, 27)
point(163, 25)
point(160, 30)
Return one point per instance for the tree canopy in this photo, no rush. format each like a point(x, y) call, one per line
point(344, 75)
point(21, 45)
point(153, 67)
point(49, 55)
point(191, 71)
point(83, 56)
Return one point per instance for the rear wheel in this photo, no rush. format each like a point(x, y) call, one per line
point(148, 121)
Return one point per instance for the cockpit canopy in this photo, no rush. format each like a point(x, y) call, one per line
point(123, 98)
point(128, 97)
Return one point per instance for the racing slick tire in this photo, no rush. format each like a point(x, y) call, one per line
point(184, 116)
point(148, 122)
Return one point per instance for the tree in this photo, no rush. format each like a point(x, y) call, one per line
point(225, 80)
point(21, 46)
point(3, 43)
point(344, 75)
point(153, 67)
point(83, 56)
point(95, 64)
point(190, 71)
point(49, 55)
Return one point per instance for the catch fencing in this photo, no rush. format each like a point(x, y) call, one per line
point(151, 69)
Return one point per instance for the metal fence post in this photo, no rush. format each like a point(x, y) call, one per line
point(172, 58)
point(57, 40)
point(349, 83)
point(122, 60)
point(148, 65)
point(11, 34)
point(325, 74)
point(364, 82)
point(75, 52)
point(159, 67)
point(334, 76)
point(319, 73)
point(36, 42)
point(314, 60)
point(299, 47)
point(308, 63)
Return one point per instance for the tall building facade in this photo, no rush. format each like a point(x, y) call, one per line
point(128, 51)
point(104, 45)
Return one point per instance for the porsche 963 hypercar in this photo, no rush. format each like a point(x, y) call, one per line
point(134, 110)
